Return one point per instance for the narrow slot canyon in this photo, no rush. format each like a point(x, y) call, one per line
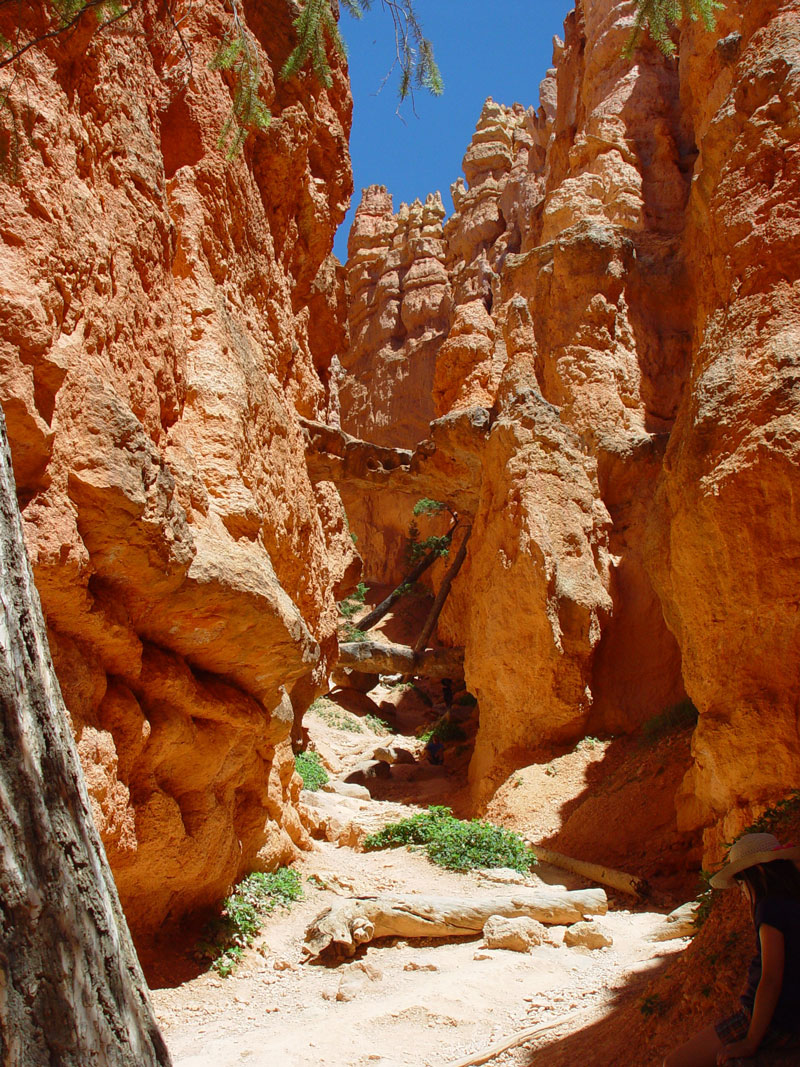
point(392, 648)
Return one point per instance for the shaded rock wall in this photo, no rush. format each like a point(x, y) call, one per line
point(166, 315)
point(624, 275)
point(725, 536)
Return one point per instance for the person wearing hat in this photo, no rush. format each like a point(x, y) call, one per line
point(769, 1017)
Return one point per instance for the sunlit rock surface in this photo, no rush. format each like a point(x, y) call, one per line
point(165, 316)
point(623, 271)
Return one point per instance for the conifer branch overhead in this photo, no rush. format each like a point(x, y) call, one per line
point(317, 25)
point(659, 17)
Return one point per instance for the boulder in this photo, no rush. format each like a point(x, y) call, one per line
point(587, 935)
point(516, 934)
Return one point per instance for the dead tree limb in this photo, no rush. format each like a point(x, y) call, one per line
point(372, 657)
point(71, 990)
point(594, 872)
point(377, 613)
point(441, 596)
point(341, 928)
point(516, 1039)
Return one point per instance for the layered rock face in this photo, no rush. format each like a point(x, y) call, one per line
point(166, 315)
point(623, 273)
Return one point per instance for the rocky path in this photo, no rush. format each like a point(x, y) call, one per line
point(422, 1003)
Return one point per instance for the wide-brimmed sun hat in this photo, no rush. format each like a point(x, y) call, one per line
point(749, 850)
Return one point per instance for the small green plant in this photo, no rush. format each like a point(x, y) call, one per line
point(516, 781)
point(225, 939)
point(465, 700)
point(438, 544)
point(376, 724)
point(352, 634)
point(652, 1004)
point(768, 821)
point(550, 771)
point(671, 720)
point(426, 506)
point(454, 843)
point(443, 730)
point(399, 686)
point(336, 717)
point(309, 766)
point(352, 604)
point(588, 742)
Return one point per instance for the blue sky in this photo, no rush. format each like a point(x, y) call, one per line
point(497, 48)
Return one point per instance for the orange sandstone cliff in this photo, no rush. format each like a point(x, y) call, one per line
point(165, 316)
point(622, 291)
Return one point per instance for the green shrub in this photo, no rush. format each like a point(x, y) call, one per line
point(671, 720)
point(455, 843)
point(225, 939)
point(353, 634)
point(426, 506)
point(652, 1004)
point(444, 730)
point(352, 604)
point(309, 766)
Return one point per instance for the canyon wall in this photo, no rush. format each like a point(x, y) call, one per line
point(398, 315)
point(167, 315)
point(623, 278)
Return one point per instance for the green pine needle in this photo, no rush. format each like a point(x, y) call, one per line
point(659, 17)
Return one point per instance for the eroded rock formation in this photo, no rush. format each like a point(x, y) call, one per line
point(623, 272)
point(166, 316)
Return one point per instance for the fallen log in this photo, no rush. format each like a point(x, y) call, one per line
point(372, 657)
point(373, 617)
point(341, 928)
point(593, 872)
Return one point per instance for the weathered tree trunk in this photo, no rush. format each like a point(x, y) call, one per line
point(441, 596)
point(353, 922)
point(372, 657)
point(72, 993)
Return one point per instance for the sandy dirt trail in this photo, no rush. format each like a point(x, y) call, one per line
point(423, 1003)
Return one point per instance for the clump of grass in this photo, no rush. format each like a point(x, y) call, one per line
point(225, 939)
point(377, 724)
point(309, 766)
point(353, 634)
point(455, 843)
point(672, 719)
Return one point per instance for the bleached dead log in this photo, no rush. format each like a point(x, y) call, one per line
point(372, 657)
point(593, 872)
point(340, 929)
